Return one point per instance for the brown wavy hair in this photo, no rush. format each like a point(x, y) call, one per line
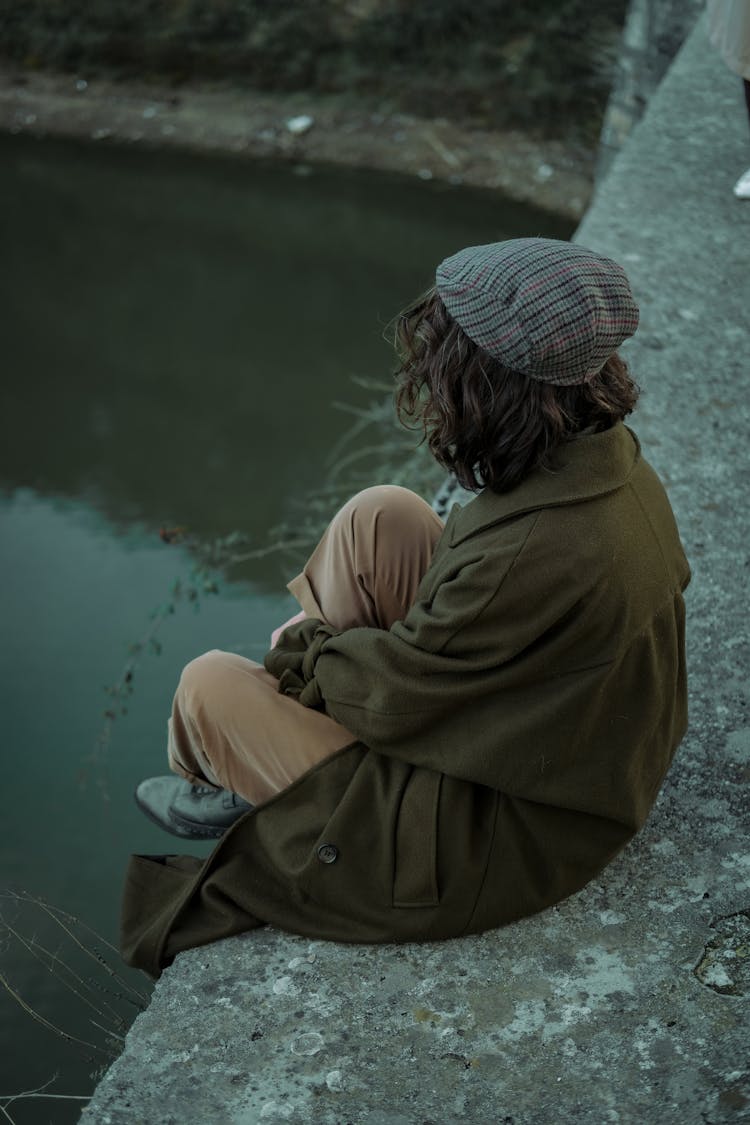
point(489, 425)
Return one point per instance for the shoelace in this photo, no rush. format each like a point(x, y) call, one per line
point(206, 791)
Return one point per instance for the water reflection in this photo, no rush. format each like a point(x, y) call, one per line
point(175, 328)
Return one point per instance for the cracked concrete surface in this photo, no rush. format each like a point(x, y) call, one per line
point(628, 1002)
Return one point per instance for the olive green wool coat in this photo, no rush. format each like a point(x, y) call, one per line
point(513, 730)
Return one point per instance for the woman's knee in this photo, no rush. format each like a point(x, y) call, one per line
point(205, 680)
point(397, 511)
point(201, 670)
point(381, 496)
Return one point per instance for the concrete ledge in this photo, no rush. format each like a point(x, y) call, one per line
point(629, 1002)
point(653, 33)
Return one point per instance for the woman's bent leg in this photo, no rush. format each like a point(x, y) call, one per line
point(370, 560)
point(231, 728)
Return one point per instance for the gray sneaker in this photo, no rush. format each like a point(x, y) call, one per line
point(195, 812)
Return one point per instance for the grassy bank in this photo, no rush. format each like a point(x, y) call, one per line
point(544, 66)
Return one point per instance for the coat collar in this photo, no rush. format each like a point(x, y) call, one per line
point(589, 466)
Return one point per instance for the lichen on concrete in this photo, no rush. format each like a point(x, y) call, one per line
point(628, 1002)
point(725, 964)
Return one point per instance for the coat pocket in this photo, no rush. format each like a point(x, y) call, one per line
point(415, 875)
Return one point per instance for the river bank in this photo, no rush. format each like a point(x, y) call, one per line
point(301, 128)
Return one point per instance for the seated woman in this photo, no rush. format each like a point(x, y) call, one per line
point(466, 722)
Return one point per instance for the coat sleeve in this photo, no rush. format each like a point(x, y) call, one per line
point(395, 688)
point(383, 675)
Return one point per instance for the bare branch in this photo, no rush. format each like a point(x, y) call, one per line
point(46, 1023)
point(32, 1094)
point(108, 1031)
point(38, 1092)
point(58, 968)
point(57, 915)
point(9, 1098)
point(262, 552)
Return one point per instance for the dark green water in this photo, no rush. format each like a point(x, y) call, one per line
point(174, 333)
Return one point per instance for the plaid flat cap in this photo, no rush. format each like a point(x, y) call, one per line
point(551, 310)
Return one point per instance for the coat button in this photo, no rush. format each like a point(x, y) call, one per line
point(328, 853)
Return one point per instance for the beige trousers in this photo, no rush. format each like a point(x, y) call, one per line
point(230, 727)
